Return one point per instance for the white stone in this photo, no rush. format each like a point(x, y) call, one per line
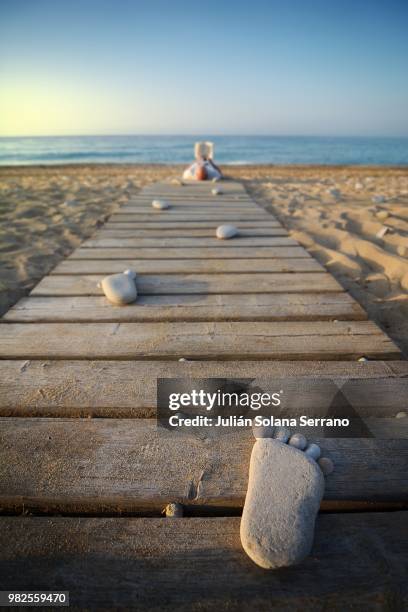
point(298, 441)
point(225, 232)
point(401, 415)
point(120, 289)
point(285, 488)
point(174, 510)
point(160, 204)
point(381, 232)
point(326, 465)
point(313, 451)
point(216, 191)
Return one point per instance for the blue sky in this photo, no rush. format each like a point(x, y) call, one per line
point(254, 67)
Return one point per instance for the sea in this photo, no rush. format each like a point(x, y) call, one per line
point(234, 150)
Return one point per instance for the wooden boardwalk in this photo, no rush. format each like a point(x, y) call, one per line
point(81, 498)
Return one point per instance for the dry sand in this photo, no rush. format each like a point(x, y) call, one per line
point(353, 220)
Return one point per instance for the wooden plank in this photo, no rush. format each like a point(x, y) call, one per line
point(212, 340)
point(279, 252)
point(230, 307)
point(195, 190)
point(172, 215)
point(132, 222)
point(187, 266)
point(310, 282)
point(244, 241)
point(188, 208)
point(196, 564)
point(130, 232)
point(89, 464)
point(128, 388)
point(203, 198)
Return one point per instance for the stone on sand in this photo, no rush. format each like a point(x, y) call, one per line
point(174, 510)
point(225, 232)
point(216, 191)
point(285, 489)
point(382, 231)
point(120, 289)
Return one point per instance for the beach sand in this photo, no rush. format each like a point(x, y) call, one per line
point(352, 219)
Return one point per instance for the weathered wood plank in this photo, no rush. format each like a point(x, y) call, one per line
point(230, 307)
point(172, 215)
point(178, 184)
point(197, 564)
point(279, 252)
point(186, 209)
point(187, 266)
point(128, 388)
point(130, 232)
point(198, 199)
point(310, 282)
point(212, 340)
point(132, 222)
point(245, 241)
point(95, 463)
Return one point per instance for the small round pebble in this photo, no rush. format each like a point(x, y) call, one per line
point(401, 415)
point(298, 441)
point(313, 451)
point(174, 510)
point(225, 232)
point(326, 465)
point(160, 204)
point(216, 191)
point(362, 359)
point(282, 434)
point(182, 359)
point(263, 431)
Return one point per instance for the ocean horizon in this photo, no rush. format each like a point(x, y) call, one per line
point(229, 150)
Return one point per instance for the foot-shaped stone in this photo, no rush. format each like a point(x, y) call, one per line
point(285, 488)
point(120, 289)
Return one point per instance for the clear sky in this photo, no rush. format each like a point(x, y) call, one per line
point(221, 67)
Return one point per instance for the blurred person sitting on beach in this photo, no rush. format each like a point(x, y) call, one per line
point(203, 169)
